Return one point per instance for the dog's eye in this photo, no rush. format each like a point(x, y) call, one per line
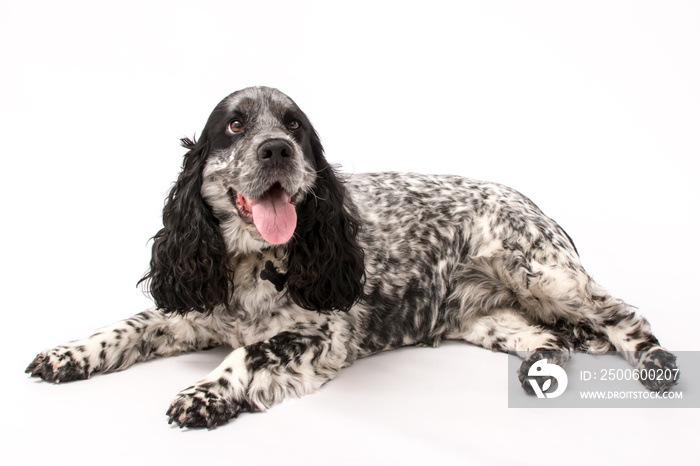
point(236, 126)
point(294, 125)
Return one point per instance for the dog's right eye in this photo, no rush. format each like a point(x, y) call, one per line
point(236, 126)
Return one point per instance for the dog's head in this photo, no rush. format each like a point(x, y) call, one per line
point(263, 159)
point(256, 178)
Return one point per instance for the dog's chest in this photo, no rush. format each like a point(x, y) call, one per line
point(252, 292)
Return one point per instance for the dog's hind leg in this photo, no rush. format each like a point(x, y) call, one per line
point(630, 333)
point(484, 309)
point(509, 331)
point(563, 292)
point(551, 307)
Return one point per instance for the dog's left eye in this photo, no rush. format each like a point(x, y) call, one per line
point(236, 126)
point(294, 125)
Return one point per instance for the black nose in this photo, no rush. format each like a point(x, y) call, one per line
point(275, 151)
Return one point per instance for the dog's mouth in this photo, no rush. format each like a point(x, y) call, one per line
point(273, 213)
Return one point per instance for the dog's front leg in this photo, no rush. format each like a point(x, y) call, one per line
point(144, 336)
point(254, 377)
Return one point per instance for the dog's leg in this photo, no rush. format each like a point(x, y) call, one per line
point(630, 333)
point(508, 330)
point(147, 335)
point(563, 291)
point(485, 309)
point(254, 377)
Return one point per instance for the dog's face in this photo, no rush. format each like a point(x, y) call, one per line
point(256, 178)
point(260, 164)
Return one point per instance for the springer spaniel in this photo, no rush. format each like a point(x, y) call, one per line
point(265, 249)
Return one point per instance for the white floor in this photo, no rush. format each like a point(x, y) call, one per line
point(412, 406)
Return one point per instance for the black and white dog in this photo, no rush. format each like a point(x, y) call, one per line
point(264, 249)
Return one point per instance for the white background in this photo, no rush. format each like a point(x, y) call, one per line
point(591, 109)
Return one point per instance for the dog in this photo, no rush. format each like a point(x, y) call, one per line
point(267, 249)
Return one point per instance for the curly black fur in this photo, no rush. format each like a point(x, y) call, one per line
point(188, 270)
point(326, 264)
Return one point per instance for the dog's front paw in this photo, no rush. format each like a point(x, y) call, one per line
point(198, 406)
point(60, 364)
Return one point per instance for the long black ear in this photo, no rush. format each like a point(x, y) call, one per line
point(188, 264)
point(326, 264)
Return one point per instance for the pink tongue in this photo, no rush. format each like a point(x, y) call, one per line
point(275, 216)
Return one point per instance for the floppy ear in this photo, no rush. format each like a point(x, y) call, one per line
point(326, 264)
point(188, 264)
